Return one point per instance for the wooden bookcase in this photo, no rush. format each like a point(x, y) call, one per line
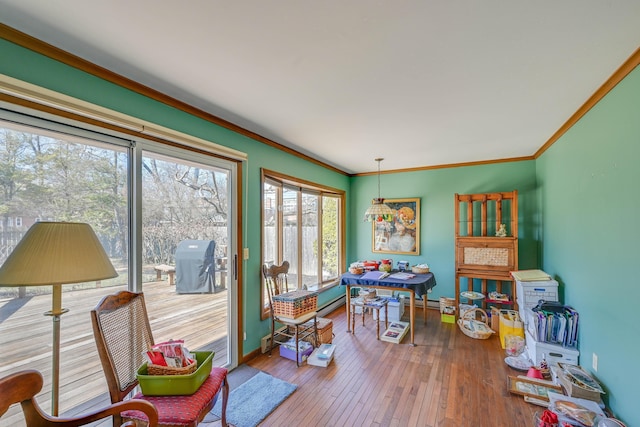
point(479, 253)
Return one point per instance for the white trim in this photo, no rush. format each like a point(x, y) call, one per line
point(43, 96)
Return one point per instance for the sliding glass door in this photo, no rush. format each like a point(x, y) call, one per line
point(186, 233)
point(166, 217)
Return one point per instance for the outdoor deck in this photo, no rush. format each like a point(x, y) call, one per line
point(26, 336)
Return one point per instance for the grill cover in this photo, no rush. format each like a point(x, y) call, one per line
point(195, 266)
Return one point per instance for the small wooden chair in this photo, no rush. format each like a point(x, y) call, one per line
point(23, 386)
point(305, 326)
point(122, 332)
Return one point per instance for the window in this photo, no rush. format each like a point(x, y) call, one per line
point(302, 223)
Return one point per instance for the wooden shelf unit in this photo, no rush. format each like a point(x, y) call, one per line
point(479, 253)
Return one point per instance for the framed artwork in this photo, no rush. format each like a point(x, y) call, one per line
point(402, 235)
point(530, 387)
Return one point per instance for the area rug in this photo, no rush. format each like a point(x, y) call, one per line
point(254, 400)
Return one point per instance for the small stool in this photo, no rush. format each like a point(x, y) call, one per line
point(163, 268)
point(375, 304)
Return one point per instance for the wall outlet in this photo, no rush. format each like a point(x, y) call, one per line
point(245, 253)
point(594, 362)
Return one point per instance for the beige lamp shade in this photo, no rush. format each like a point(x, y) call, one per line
point(53, 253)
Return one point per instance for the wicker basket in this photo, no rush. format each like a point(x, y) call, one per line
point(356, 270)
point(168, 370)
point(478, 329)
point(294, 304)
point(419, 270)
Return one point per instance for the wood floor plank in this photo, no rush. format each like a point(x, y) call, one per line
point(447, 380)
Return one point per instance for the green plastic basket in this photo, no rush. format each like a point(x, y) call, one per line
point(176, 385)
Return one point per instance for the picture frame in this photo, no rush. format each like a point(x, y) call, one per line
point(531, 387)
point(402, 234)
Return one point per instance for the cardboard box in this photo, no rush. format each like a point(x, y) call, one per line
point(322, 355)
point(529, 293)
point(291, 354)
point(495, 319)
point(574, 390)
point(552, 353)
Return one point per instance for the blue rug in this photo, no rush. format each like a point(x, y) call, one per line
point(253, 400)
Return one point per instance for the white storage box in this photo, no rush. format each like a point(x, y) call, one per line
point(322, 355)
point(396, 310)
point(552, 353)
point(529, 293)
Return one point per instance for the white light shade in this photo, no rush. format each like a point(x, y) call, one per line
point(53, 253)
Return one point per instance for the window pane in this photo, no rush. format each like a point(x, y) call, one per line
point(52, 176)
point(310, 239)
point(330, 238)
point(270, 222)
point(185, 226)
point(310, 226)
point(290, 232)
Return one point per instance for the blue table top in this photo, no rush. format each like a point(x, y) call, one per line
point(420, 284)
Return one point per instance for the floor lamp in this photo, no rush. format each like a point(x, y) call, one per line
point(53, 254)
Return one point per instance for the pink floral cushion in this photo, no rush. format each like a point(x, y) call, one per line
point(183, 410)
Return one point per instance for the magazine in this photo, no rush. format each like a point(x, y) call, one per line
point(395, 332)
point(375, 275)
point(402, 276)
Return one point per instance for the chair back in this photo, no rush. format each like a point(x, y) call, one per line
point(275, 277)
point(122, 333)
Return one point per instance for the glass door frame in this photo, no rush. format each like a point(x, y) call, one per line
point(136, 202)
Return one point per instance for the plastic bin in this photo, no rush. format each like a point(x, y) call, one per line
point(290, 354)
point(176, 385)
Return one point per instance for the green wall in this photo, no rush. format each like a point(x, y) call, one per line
point(436, 189)
point(590, 201)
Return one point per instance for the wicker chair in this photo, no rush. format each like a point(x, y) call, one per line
point(122, 332)
point(305, 326)
point(23, 386)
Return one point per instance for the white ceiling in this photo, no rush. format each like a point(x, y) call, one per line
point(420, 83)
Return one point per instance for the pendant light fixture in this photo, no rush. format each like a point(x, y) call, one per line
point(378, 211)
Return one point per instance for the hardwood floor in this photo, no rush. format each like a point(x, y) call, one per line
point(448, 379)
